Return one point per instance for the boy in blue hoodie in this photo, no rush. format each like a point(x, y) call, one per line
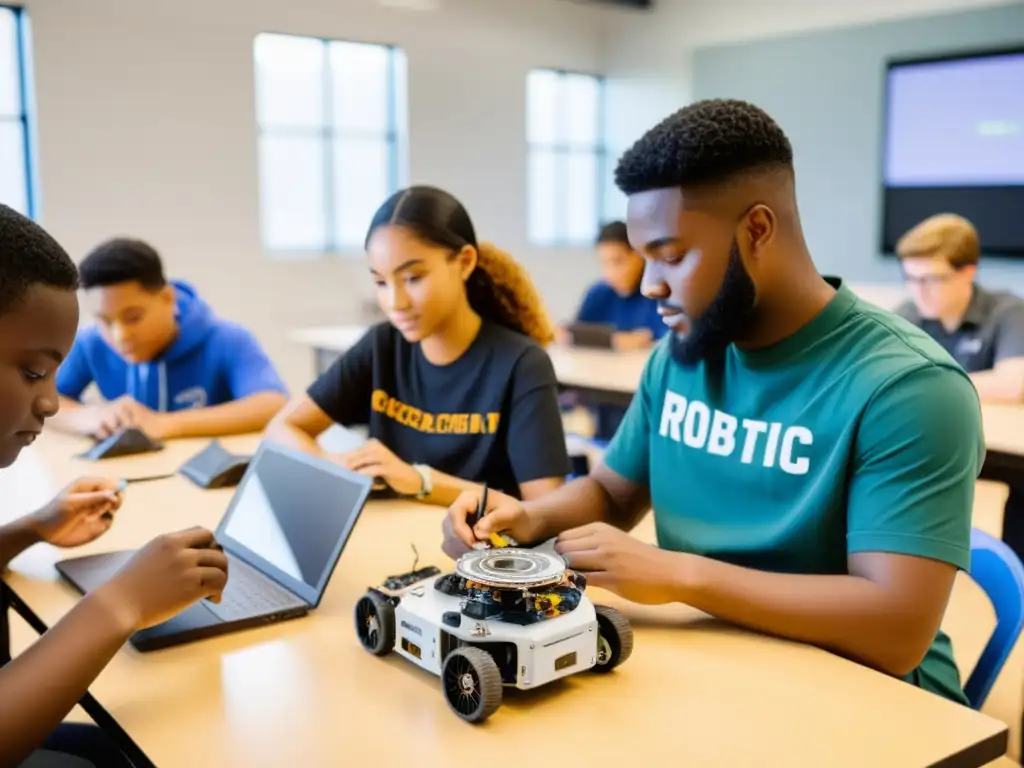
point(160, 357)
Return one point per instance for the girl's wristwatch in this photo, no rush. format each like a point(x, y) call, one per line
point(428, 485)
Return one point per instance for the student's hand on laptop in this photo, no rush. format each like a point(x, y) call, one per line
point(374, 459)
point(612, 559)
point(166, 576)
point(629, 341)
point(80, 513)
point(563, 336)
point(504, 514)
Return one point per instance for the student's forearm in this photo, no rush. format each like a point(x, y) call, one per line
point(446, 488)
point(580, 502)
point(998, 387)
point(848, 615)
point(291, 436)
point(249, 414)
point(42, 685)
point(15, 538)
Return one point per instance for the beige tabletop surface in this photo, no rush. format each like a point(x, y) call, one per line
point(1004, 428)
point(696, 692)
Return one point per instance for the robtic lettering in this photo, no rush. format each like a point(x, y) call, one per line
point(771, 444)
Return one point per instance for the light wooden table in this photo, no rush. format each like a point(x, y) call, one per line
point(696, 692)
point(1004, 432)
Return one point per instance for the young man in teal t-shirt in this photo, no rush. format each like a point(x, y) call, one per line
point(810, 459)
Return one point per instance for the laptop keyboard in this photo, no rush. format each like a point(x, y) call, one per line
point(250, 593)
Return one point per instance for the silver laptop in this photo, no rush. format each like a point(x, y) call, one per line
point(283, 534)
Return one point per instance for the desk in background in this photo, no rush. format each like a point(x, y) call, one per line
point(306, 693)
point(607, 376)
point(613, 377)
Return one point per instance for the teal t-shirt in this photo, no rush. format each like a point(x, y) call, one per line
point(858, 433)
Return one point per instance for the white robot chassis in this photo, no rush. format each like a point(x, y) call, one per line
point(506, 617)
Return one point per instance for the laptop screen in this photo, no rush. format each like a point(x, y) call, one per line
point(291, 517)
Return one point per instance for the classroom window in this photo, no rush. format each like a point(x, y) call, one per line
point(332, 146)
point(566, 167)
point(15, 154)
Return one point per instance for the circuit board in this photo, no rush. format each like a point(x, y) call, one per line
point(403, 580)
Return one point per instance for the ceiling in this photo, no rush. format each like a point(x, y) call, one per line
point(704, 22)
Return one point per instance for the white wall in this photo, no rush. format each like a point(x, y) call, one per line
point(647, 62)
point(146, 127)
point(653, 41)
point(649, 56)
point(146, 124)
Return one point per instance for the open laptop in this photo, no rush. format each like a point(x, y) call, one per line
point(283, 533)
point(594, 335)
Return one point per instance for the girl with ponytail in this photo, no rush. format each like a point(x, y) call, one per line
point(455, 387)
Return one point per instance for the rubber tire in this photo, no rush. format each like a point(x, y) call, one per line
point(385, 612)
point(615, 630)
point(488, 677)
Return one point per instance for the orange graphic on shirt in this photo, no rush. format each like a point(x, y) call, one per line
point(435, 423)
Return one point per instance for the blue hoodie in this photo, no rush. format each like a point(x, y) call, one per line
point(627, 313)
point(212, 361)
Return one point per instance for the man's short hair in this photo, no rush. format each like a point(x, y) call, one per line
point(945, 235)
point(614, 232)
point(122, 260)
point(706, 143)
point(29, 256)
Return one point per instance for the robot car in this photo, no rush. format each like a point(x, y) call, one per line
point(505, 617)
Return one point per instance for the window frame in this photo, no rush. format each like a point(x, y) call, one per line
point(599, 150)
point(24, 117)
point(394, 136)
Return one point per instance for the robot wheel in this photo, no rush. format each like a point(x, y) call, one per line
point(472, 683)
point(375, 623)
point(614, 639)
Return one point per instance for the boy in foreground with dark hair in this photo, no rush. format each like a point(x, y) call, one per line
point(810, 459)
point(38, 319)
point(160, 357)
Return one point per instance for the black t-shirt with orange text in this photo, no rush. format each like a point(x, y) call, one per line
point(491, 416)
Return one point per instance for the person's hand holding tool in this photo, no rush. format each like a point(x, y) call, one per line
point(471, 519)
point(80, 513)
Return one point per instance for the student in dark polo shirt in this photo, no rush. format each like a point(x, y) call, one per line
point(456, 388)
point(983, 330)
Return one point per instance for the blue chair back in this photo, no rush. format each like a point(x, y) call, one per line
point(997, 570)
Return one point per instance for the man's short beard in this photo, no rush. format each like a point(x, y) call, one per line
point(726, 319)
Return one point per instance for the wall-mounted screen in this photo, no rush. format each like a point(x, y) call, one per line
point(954, 143)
